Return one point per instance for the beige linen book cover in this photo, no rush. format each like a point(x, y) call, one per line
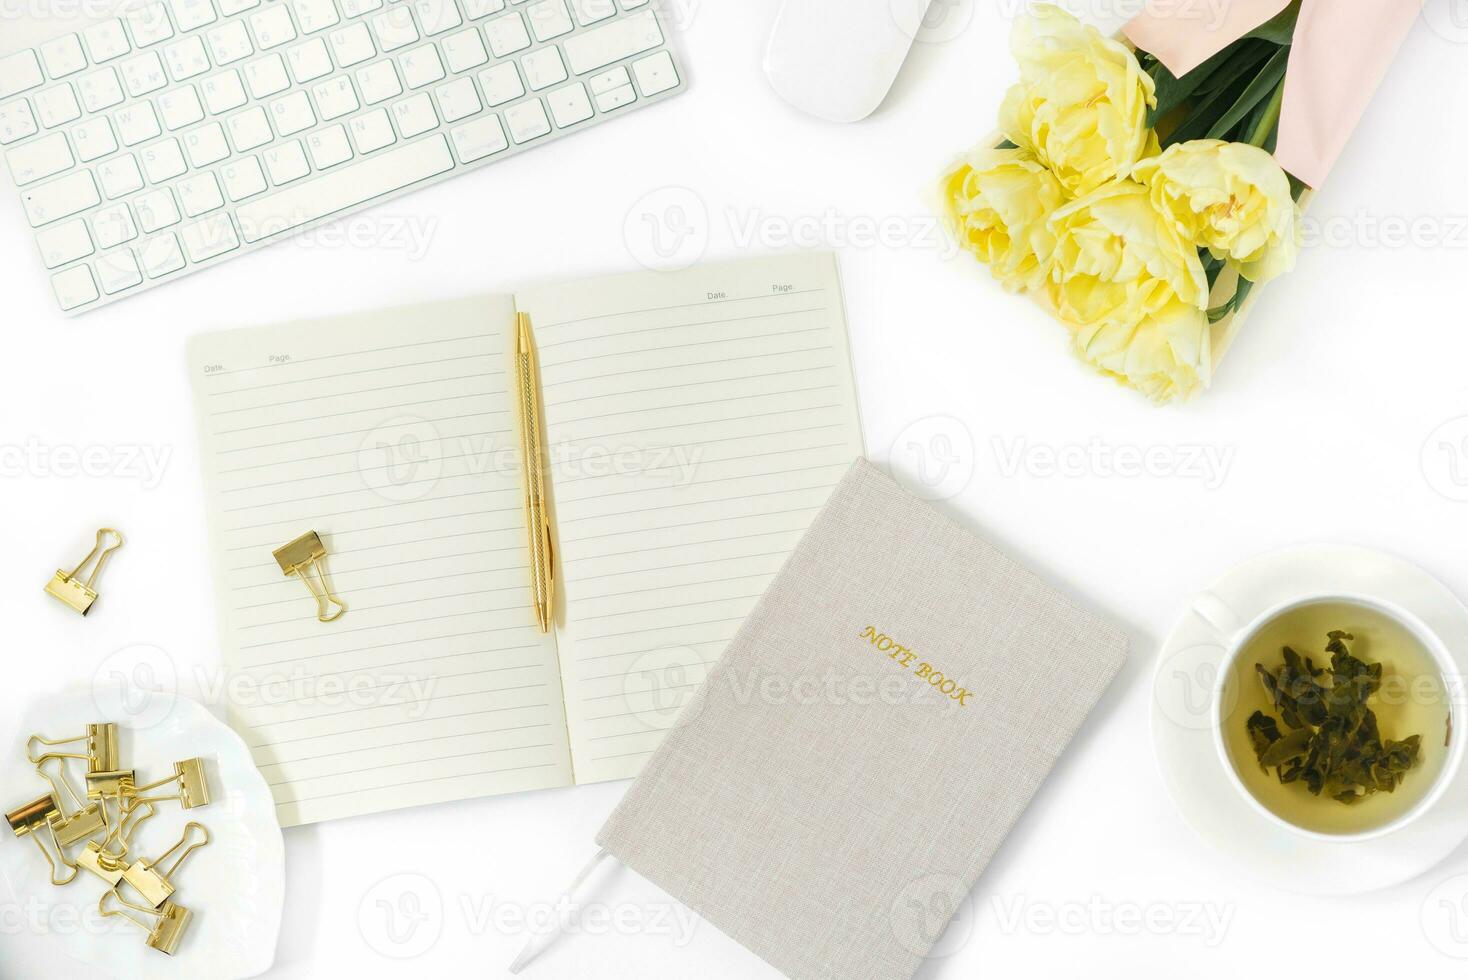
point(868, 739)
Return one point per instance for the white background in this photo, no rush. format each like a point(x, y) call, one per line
point(1327, 413)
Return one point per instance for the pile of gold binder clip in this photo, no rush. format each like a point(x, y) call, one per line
point(94, 832)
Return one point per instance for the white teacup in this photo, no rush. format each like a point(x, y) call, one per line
point(1237, 638)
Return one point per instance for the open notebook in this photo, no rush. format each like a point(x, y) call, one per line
point(697, 421)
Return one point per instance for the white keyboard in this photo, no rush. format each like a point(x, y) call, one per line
point(190, 131)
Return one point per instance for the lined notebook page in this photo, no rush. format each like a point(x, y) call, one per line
point(390, 435)
point(697, 421)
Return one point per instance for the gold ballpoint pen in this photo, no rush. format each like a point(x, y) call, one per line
point(532, 470)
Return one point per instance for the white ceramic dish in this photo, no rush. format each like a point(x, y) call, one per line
point(1185, 709)
point(235, 887)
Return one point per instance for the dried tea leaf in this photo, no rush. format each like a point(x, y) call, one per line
point(1334, 745)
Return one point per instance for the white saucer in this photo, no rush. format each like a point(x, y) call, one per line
point(235, 886)
point(1182, 726)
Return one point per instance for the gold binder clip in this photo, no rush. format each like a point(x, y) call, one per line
point(86, 822)
point(100, 756)
point(165, 934)
point(73, 591)
point(109, 867)
point(29, 821)
point(193, 787)
point(156, 885)
point(299, 558)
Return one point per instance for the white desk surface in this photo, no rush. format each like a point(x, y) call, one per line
point(1326, 416)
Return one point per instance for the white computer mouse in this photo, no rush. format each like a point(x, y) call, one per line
point(837, 59)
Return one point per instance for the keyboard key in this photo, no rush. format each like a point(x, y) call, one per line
point(62, 198)
point(570, 105)
point(190, 15)
point(372, 132)
point(549, 19)
point(206, 145)
point(17, 121)
point(329, 147)
point(93, 139)
point(272, 27)
point(458, 100)
point(611, 43)
point(612, 89)
point(75, 287)
point(243, 179)
point(501, 84)
point(65, 243)
point(106, 41)
point(334, 99)
point(210, 238)
point(120, 176)
point(507, 35)
point(250, 129)
point(118, 271)
point(224, 92)
point(136, 123)
point(100, 90)
point(163, 161)
point(315, 15)
point(527, 121)
point(230, 43)
point(592, 11)
point(476, 9)
point(415, 116)
point(180, 107)
point(149, 25)
point(544, 68)
point(286, 163)
point(231, 7)
point(479, 139)
point(394, 29)
point(421, 66)
point(267, 77)
point(356, 8)
point(292, 114)
point(57, 106)
point(200, 195)
point(186, 59)
point(656, 74)
point(114, 226)
point(19, 73)
point(157, 210)
point(379, 82)
point(437, 16)
point(63, 56)
point(309, 61)
point(144, 74)
point(160, 256)
point(40, 159)
point(345, 188)
point(352, 45)
point(464, 51)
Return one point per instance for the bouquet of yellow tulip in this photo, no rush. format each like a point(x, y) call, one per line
point(1140, 208)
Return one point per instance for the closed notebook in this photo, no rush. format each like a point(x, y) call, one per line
point(870, 736)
